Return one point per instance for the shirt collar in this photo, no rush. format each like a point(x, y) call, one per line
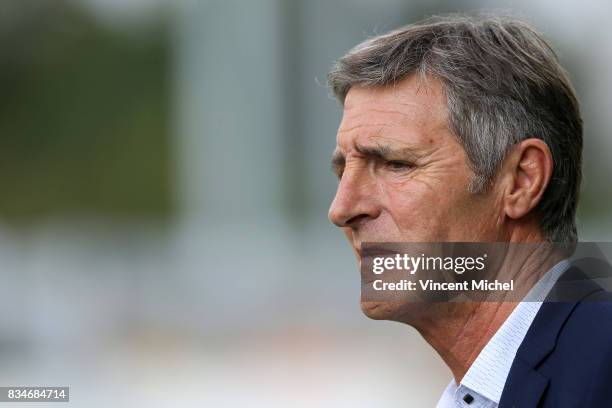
point(488, 373)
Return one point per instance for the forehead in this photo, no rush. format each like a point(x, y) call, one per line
point(412, 111)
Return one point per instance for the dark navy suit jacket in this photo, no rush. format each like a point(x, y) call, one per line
point(565, 359)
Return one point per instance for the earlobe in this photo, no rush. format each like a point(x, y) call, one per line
point(530, 168)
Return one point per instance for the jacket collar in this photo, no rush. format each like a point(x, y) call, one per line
point(525, 385)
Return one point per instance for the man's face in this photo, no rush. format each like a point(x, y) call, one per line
point(403, 176)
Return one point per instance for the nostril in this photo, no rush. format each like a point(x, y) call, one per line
point(356, 220)
point(337, 220)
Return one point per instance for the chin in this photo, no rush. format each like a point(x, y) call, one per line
point(404, 312)
point(380, 310)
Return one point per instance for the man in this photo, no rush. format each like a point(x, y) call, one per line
point(467, 129)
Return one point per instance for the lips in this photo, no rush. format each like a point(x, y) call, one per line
point(367, 254)
point(383, 250)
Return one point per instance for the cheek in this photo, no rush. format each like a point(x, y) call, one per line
point(415, 207)
point(435, 210)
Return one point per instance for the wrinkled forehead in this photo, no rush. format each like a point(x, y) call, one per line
point(413, 110)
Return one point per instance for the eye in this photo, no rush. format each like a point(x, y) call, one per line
point(397, 165)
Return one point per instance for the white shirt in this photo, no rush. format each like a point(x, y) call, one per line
point(482, 385)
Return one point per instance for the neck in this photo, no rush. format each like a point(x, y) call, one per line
point(459, 331)
point(464, 331)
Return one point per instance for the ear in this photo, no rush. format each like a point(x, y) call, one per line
point(528, 169)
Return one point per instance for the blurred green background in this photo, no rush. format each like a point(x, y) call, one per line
point(164, 180)
point(85, 115)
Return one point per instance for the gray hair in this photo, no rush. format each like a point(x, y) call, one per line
point(503, 84)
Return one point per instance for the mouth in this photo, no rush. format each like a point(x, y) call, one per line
point(372, 251)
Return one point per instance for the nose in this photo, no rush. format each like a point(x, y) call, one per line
point(355, 201)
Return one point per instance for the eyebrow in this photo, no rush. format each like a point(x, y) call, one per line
point(377, 152)
point(381, 152)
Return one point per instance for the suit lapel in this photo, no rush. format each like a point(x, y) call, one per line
point(525, 385)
